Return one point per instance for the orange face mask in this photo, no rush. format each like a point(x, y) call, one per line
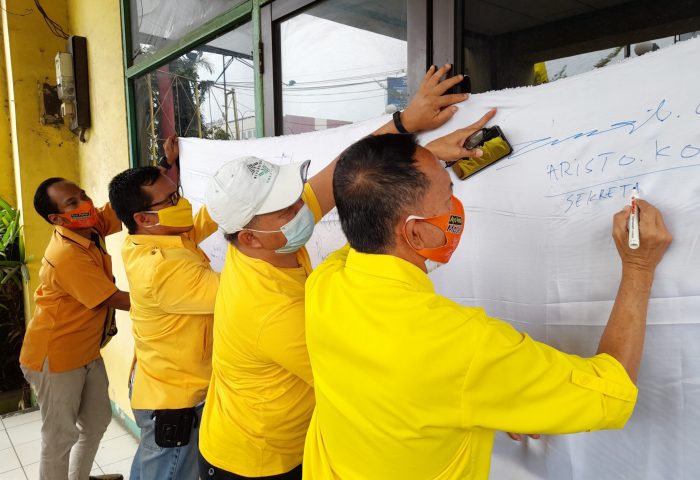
point(84, 216)
point(451, 224)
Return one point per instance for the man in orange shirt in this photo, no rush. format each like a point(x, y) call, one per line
point(74, 311)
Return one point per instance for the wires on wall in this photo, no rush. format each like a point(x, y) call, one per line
point(55, 28)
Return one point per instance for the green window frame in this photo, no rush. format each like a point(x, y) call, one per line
point(246, 11)
point(424, 19)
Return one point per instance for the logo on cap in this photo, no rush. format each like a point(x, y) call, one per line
point(259, 169)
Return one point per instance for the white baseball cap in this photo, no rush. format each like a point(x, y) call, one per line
point(250, 186)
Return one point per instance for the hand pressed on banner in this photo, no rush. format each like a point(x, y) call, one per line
point(519, 437)
point(430, 107)
point(450, 148)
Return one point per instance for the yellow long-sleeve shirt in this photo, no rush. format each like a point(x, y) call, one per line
point(411, 385)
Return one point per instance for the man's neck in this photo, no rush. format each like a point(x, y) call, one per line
point(83, 232)
point(279, 260)
point(404, 252)
point(156, 230)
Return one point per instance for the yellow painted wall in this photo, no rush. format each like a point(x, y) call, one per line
point(7, 175)
point(106, 153)
point(31, 152)
point(38, 151)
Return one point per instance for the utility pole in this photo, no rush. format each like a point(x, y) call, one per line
point(197, 111)
point(235, 113)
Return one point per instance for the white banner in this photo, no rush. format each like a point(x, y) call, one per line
point(538, 251)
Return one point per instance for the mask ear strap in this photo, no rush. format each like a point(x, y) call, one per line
point(405, 235)
point(151, 212)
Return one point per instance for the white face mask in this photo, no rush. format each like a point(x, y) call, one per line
point(432, 265)
point(297, 231)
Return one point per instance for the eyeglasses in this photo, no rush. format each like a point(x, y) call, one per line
point(173, 198)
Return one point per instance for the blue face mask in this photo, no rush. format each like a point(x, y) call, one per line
point(297, 231)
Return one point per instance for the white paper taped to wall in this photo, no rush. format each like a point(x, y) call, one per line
point(538, 251)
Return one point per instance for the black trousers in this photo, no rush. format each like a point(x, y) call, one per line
point(208, 471)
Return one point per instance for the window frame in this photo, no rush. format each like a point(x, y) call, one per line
point(266, 16)
point(221, 24)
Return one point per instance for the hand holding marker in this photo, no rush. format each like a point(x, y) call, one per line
point(633, 225)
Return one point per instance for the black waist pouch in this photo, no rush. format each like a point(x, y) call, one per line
point(173, 427)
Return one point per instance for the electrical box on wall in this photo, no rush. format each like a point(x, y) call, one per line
point(72, 85)
point(65, 83)
point(77, 46)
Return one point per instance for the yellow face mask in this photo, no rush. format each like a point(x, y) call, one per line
point(179, 215)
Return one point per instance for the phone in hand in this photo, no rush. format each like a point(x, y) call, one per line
point(492, 142)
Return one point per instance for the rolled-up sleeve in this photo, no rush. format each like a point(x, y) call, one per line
point(107, 221)
point(519, 385)
point(204, 226)
point(283, 341)
point(311, 201)
point(184, 286)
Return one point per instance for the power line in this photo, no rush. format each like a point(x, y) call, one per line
point(55, 28)
point(336, 101)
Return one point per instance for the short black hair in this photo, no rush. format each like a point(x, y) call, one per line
point(375, 182)
point(232, 238)
point(43, 204)
point(126, 195)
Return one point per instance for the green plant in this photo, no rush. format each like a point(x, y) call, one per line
point(13, 276)
point(12, 266)
point(608, 58)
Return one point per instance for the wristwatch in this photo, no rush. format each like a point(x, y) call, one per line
point(397, 122)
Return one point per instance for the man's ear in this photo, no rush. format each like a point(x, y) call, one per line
point(145, 219)
point(249, 239)
point(56, 219)
point(414, 231)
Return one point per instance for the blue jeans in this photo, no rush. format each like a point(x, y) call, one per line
point(152, 462)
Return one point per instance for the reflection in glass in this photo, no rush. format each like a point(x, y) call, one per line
point(343, 61)
point(157, 23)
point(574, 65)
point(206, 93)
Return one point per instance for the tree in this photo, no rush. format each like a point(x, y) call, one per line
point(185, 86)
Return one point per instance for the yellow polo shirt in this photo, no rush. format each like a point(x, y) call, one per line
point(69, 318)
point(173, 290)
point(261, 395)
point(411, 385)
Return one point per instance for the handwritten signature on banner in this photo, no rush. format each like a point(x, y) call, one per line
point(624, 165)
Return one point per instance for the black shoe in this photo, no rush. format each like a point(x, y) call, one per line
point(108, 476)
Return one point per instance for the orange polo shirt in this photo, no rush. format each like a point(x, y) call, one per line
point(76, 278)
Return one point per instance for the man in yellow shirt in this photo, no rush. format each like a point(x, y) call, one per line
point(75, 302)
point(411, 385)
point(173, 292)
point(261, 396)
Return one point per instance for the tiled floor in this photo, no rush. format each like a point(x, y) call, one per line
point(20, 444)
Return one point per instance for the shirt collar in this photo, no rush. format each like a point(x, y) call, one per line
point(72, 236)
point(162, 241)
point(391, 267)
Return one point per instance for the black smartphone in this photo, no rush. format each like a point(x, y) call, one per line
point(492, 142)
